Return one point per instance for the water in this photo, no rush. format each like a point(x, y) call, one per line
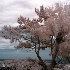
point(19, 54)
point(23, 54)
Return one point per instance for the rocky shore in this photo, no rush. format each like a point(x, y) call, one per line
point(29, 64)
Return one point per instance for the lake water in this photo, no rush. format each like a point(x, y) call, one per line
point(23, 54)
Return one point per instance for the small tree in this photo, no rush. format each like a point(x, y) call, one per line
point(37, 36)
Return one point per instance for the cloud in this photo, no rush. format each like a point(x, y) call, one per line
point(5, 44)
point(10, 10)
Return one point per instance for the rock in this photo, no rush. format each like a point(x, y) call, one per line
point(66, 67)
point(29, 64)
point(59, 66)
point(58, 69)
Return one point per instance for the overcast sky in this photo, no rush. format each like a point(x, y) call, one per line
point(10, 10)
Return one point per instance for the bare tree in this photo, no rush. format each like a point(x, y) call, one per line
point(37, 36)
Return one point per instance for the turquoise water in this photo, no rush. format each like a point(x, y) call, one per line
point(23, 54)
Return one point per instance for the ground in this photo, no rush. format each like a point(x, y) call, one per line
point(29, 64)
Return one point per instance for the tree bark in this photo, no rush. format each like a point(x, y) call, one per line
point(41, 62)
point(53, 63)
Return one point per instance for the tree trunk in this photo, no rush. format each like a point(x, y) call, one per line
point(53, 63)
point(41, 62)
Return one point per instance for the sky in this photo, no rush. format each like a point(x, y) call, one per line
point(10, 11)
